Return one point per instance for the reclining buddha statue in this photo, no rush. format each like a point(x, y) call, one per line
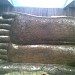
point(37, 39)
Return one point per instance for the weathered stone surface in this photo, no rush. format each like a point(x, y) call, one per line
point(4, 39)
point(5, 26)
point(28, 29)
point(4, 32)
point(8, 15)
point(35, 69)
point(48, 54)
point(4, 57)
point(6, 21)
point(3, 51)
point(4, 45)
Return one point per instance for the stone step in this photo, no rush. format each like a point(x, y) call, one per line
point(4, 32)
point(3, 51)
point(5, 26)
point(2, 61)
point(6, 21)
point(4, 57)
point(8, 15)
point(4, 39)
point(4, 46)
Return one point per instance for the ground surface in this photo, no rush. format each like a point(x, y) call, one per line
point(35, 69)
